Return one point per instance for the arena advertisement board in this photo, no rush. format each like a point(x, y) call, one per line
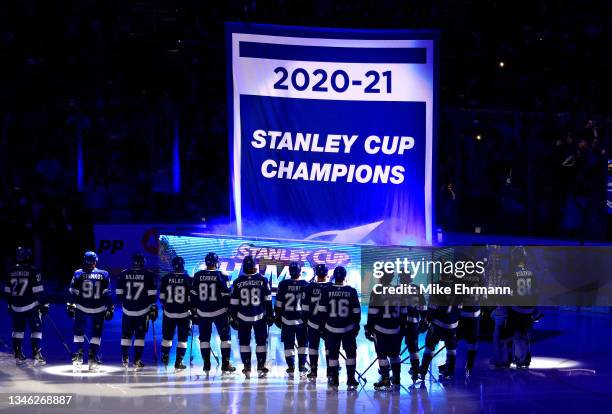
point(485, 275)
point(272, 256)
point(332, 133)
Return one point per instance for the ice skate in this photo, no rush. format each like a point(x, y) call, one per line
point(20, 358)
point(396, 383)
point(383, 384)
point(77, 361)
point(227, 368)
point(39, 359)
point(206, 367)
point(179, 366)
point(333, 383)
point(414, 374)
point(165, 358)
point(94, 362)
point(312, 375)
point(352, 384)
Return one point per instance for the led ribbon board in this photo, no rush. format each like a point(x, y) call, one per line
point(332, 132)
point(273, 256)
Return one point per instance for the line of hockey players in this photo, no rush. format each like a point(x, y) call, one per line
point(307, 313)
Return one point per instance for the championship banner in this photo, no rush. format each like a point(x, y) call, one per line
point(332, 133)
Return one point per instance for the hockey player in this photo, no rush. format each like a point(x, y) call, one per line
point(310, 306)
point(469, 323)
point(210, 301)
point(502, 336)
point(24, 295)
point(174, 297)
point(289, 318)
point(138, 296)
point(415, 324)
point(384, 328)
point(340, 317)
point(251, 310)
point(522, 315)
point(90, 298)
point(469, 320)
point(443, 314)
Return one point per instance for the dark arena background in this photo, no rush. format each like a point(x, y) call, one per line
point(373, 144)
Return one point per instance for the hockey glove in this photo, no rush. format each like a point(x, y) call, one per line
point(356, 329)
point(270, 320)
point(43, 309)
point(71, 310)
point(153, 313)
point(110, 312)
point(278, 322)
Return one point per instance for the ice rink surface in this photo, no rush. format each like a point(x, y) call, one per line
point(571, 373)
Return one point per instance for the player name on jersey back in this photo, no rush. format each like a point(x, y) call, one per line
point(245, 283)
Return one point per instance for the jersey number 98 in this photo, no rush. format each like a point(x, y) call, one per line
point(250, 297)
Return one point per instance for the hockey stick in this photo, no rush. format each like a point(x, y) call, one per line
point(373, 362)
point(408, 357)
point(432, 358)
point(376, 359)
point(191, 347)
point(437, 352)
point(370, 366)
point(214, 356)
point(365, 381)
point(59, 335)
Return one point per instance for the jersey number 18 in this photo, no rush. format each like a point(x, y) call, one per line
point(175, 294)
